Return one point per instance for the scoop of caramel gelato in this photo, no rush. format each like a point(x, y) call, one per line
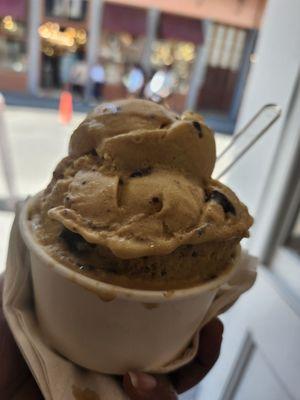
point(134, 203)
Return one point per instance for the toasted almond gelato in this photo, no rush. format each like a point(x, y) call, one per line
point(134, 203)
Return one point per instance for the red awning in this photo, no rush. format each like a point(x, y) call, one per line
point(119, 18)
point(14, 8)
point(180, 28)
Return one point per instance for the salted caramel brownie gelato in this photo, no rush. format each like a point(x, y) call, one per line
point(134, 203)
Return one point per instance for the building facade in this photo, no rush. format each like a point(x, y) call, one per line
point(204, 48)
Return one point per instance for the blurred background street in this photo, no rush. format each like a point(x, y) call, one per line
point(190, 55)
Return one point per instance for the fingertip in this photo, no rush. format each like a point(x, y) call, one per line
point(215, 325)
point(211, 336)
point(210, 343)
point(127, 383)
point(142, 386)
point(219, 325)
point(142, 381)
point(138, 385)
point(207, 354)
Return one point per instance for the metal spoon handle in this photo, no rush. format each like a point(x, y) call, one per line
point(251, 133)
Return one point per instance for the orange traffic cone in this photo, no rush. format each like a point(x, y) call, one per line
point(65, 107)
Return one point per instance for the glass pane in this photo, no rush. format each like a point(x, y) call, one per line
point(175, 56)
point(225, 59)
point(12, 44)
point(73, 10)
point(120, 54)
point(63, 57)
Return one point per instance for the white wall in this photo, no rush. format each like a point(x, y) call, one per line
point(271, 80)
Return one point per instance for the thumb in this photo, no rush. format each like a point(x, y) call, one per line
point(141, 386)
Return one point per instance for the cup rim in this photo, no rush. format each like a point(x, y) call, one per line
point(99, 287)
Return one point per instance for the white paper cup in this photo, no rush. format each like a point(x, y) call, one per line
point(112, 329)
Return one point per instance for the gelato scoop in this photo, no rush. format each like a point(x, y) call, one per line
point(134, 203)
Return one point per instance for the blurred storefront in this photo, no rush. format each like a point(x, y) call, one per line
point(174, 51)
point(13, 48)
point(114, 48)
point(63, 35)
point(121, 45)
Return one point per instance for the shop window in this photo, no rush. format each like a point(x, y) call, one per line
point(226, 48)
point(12, 44)
point(121, 50)
point(63, 57)
point(173, 54)
point(70, 9)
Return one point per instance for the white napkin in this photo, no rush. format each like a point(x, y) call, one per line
point(58, 378)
